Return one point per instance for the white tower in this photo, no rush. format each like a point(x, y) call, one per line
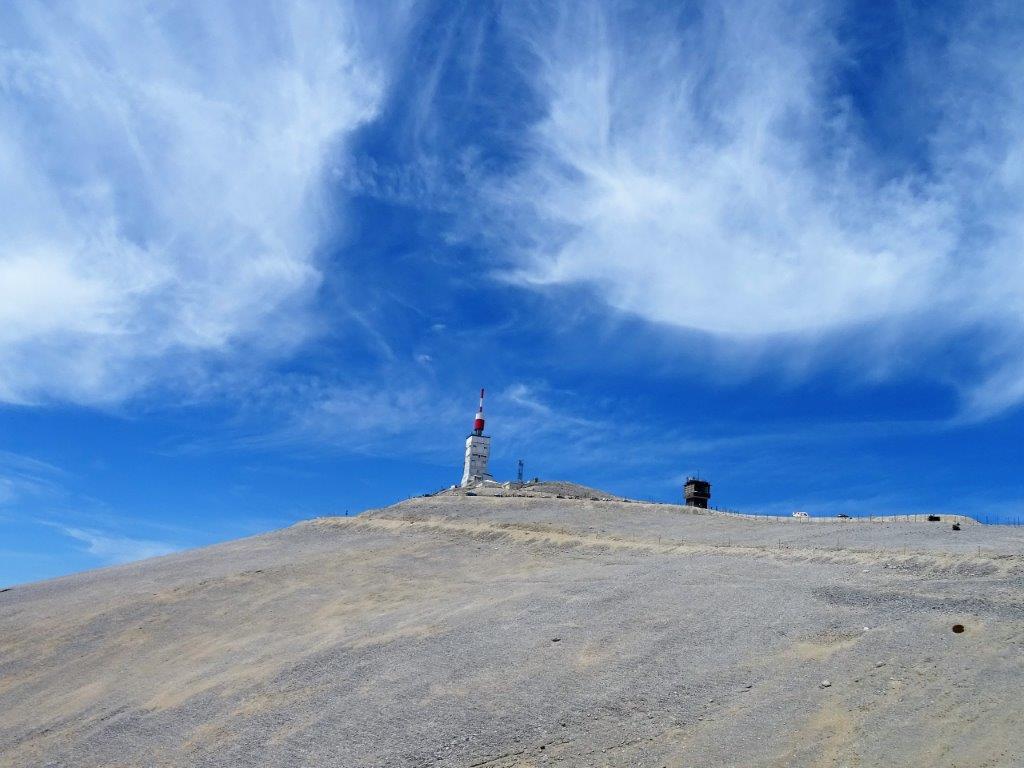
point(478, 450)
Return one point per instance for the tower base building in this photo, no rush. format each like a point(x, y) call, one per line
point(478, 451)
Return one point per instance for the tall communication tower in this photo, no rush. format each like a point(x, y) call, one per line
point(478, 450)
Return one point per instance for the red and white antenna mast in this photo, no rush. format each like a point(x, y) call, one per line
point(478, 422)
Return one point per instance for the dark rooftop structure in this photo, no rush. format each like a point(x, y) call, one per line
point(697, 492)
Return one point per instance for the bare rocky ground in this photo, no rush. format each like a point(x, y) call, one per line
point(508, 631)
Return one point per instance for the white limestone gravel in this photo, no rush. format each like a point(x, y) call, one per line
point(425, 634)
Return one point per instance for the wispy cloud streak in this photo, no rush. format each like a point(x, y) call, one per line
point(709, 172)
point(161, 200)
point(112, 549)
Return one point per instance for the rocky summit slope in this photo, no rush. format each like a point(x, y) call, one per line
point(529, 630)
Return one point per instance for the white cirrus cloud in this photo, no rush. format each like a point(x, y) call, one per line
point(161, 171)
point(115, 549)
point(710, 174)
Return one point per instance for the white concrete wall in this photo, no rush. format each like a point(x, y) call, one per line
point(478, 451)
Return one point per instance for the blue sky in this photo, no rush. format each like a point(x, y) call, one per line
point(256, 260)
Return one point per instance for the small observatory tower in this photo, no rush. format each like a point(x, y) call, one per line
point(697, 492)
point(478, 450)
